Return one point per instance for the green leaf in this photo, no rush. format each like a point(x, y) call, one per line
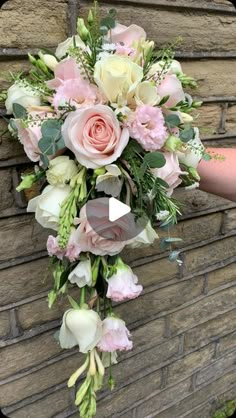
point(19, 111)
point(162, 183)
point(155, 159)
point(163, 100)
point(73, 303)
point(187, 134)
point(112, 13)
point(108, 22)
point(174, 255)
point(52, 140)
point(132, 148)
point(172, 121)
point(206, 156)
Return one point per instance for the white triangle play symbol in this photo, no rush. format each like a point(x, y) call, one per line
point(117, 209)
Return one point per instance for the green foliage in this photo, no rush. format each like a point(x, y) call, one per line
point(108, 22)
point(187, 134)
point(172, 121)
point(155, 159)
point(52, 140)
point(227, 410)
point(19, 111)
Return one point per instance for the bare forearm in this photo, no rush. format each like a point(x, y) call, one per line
point(219, 176)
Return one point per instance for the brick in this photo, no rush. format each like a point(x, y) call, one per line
point(221, 276)
point(11, 65)
point(6, 196)
point(21, 22)
point(211, 77)
point(216, 30)
point(127, 396)
point(190, 231)
point(48, 406)
point(25, 280)
point(28, 353)
point(188, 365)
point(149, 334)
point(39, 381)
point(21, 230)
point(196, 201)
point(164, 399)
point(227, 343)
point(202, 311)
point(198, 397)
point(207, 118)
point(37, 312)
point(210, 331)
point(230, 221)
point(9, 147)
point(4, 324)
point(214, 371)
point(230, 122)
point(156, 272)
point(204, 411)
point(209, 254)
point(161, 300)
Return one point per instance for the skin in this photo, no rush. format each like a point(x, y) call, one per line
point(219, 176)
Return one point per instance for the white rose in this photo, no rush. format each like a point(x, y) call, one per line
point(63, 47)
point(23, 95)
point(116, 75)
point(47, 205)
point(61, 170)
point(82, 327)
point(82, 274)
point(193, 154)
point(146, 237)
point(146, 94)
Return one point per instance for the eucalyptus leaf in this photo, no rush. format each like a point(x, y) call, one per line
point(172, 121)
point(52, 140)
point(173, 256)
point(155, 159)
point(19, 111)
point(187, 134)
point(206, 156)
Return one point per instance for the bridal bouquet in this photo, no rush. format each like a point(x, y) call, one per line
point(105, 117)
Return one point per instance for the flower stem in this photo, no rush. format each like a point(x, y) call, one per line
point(82, 296)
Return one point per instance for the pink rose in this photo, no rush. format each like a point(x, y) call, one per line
point(115, 335)
point(170, 172)
point(127, 34)
point(97, 234)
point(147, 126)
point(123, 284)
point(67, 69)
point(94, 135)
point(171, 86)
point(29, 138)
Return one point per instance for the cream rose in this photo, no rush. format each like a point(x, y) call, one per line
point(63, 47)
point(94, 135)
point(146, 93)
point(47, 205)
point(116, 75)
point(193, 154)
point(22, 95)
point(61, 170)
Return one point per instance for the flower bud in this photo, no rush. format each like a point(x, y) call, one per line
point(186, 118)
point(82, 30)
point(27, 182)
point(193, 172)
point(32, 59)
point(90, 17)
point(173, 143)
point(74, 377)
point(49, 60)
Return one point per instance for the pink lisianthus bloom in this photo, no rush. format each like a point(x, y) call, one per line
point(124, 50)
point(171, 86)
point(94, 135)
point(147, 126)
point(123, 284)
point(127, 34)
point(53, 247)
point(96, 233)
point(115, 335)
point(73, 248)
point(29, 136)
point(170, 172)
point(76, 92)
point(67, 69)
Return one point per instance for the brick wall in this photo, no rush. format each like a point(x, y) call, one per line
point(184, 323)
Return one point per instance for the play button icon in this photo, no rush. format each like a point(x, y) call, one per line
point(117, 209)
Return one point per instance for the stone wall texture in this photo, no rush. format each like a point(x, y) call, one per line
point(184, 324)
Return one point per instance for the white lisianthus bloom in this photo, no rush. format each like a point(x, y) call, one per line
point(146, 237)
point(47, 205)
point(82, 274)
point(109, 182)
point(63, 47)
point(193, 154)
point(116, 75)
point(49, 60)
point(146, 94)
point(82, 327)
point(173, 68)
point(23, 95)
point(61, 170)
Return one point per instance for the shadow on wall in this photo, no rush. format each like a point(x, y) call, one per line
point(2, 415)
